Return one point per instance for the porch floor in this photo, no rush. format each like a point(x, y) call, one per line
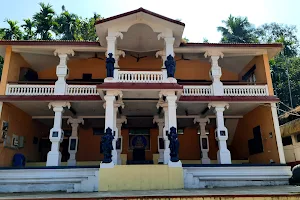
point(265, 191)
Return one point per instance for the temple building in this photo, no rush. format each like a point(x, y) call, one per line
point(138, 110)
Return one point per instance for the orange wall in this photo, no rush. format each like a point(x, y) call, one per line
point(11, 68)
point(262, 71)
point(21, 124)
point(77, 67)
point(200, 70)
point(189, 149)
point(260, 116)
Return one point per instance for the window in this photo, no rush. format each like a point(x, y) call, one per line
point(287, 141)
point(298, 137)
point(250, 75)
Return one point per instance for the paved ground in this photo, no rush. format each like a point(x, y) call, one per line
point(240, 191)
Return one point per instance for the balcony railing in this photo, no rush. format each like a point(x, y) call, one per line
point(82, 90)
point(14, 89)
point(190, 90)
point(140, 76)
point(29, 89)
point(246, 90)
point(229, 90)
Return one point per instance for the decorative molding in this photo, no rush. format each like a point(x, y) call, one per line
point(160, 53)
point(114, 93)
point(122, 119)
point(201, 120)
point(213, 53)
point(59, 104)
point(120, 52)
point(77, 120)
point(64, 51)
point(218, 105)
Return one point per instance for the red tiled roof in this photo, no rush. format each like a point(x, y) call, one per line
point(136, 11)
point(97, 44)
point(143, 86)
point(49, 42)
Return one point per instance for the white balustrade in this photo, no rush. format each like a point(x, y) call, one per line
point(197, 90)
point(82, 90)
point(246, 90)
point(140, 77)
point(29, 89)
point(15, 89)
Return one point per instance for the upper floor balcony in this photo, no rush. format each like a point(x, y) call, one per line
point(200, 70)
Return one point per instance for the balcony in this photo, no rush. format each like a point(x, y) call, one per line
point(188, 90)
point(33, 90)
point(229, 90)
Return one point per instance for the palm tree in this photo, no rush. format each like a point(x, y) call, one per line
point(44, 21)
point(67, 25)
point(28, 28)
point(237, 30)
point(11, 33)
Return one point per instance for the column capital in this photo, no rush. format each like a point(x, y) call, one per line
point(166, 93)
point(114, 34)
point(77, 121)
point(201, 120)
point(171, 98)
point(159, 121)
point(114, 93)
point(64, 51)
point(215, 54)
point(122, 119)
point(59, 105)
point(218, 106)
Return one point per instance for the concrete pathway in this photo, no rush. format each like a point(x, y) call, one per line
point(220, 192)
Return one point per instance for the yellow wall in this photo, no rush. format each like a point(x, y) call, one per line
point(21, 124)
point(140, 177)
point(11, 68)
point(260, 116)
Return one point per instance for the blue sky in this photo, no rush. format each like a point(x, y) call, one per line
point(200, 16)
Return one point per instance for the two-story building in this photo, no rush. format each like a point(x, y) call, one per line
point(182, 115)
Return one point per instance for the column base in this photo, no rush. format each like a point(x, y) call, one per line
point(109, 79)
point(107, 165)
point(53, 158)
point(161, 157)
point(166, 156)
point(114, 158)
point(119, 160)
point(172, 80)
point(71, 162)
point(205, 161)
point(175, 164)
point(224, 157)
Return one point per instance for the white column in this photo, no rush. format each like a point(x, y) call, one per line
point(171, 100)
point(116, 135)
point(277, 133)
point(112, 48)
point(166, 139)
point(62, 71)
point(203, 139)
point(216, 73)
point(120, 121)
point(73, 140)
point(56, 133)
point(160, 124)
point(221, 133)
